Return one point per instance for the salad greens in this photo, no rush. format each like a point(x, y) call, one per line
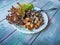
point(23, 7)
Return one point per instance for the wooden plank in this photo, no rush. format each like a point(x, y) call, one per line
point(4, 10)
point(26, 38)
point(50, 36)
point(5, 29)
point(40, 3)
point(49, 6)
point(56, 21)
point(5, 3)
point(29, 37)
point(8, 30)
point(50, 14)
point(14, 39)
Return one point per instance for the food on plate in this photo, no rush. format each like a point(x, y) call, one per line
point(23, 15)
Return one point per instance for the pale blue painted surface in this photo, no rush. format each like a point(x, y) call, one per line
point(49, 36)
point(50, 14)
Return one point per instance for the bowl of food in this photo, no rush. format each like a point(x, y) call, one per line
point(26, 18)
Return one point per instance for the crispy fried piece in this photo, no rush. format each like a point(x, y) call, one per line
point(11, 19)
point(18, 11)
point(12, 10)
point(38, 23)
point(26, 20)
point(32, 25)
point(20, 22)
point(35, 26)
point(29, 25)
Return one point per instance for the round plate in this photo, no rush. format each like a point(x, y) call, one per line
point(24, 30)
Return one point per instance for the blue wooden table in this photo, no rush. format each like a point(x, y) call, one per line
point(49, 36)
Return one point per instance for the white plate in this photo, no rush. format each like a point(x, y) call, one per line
point(24, 30)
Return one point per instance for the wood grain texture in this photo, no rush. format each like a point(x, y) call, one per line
point(50, 36)
point(18, 38)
